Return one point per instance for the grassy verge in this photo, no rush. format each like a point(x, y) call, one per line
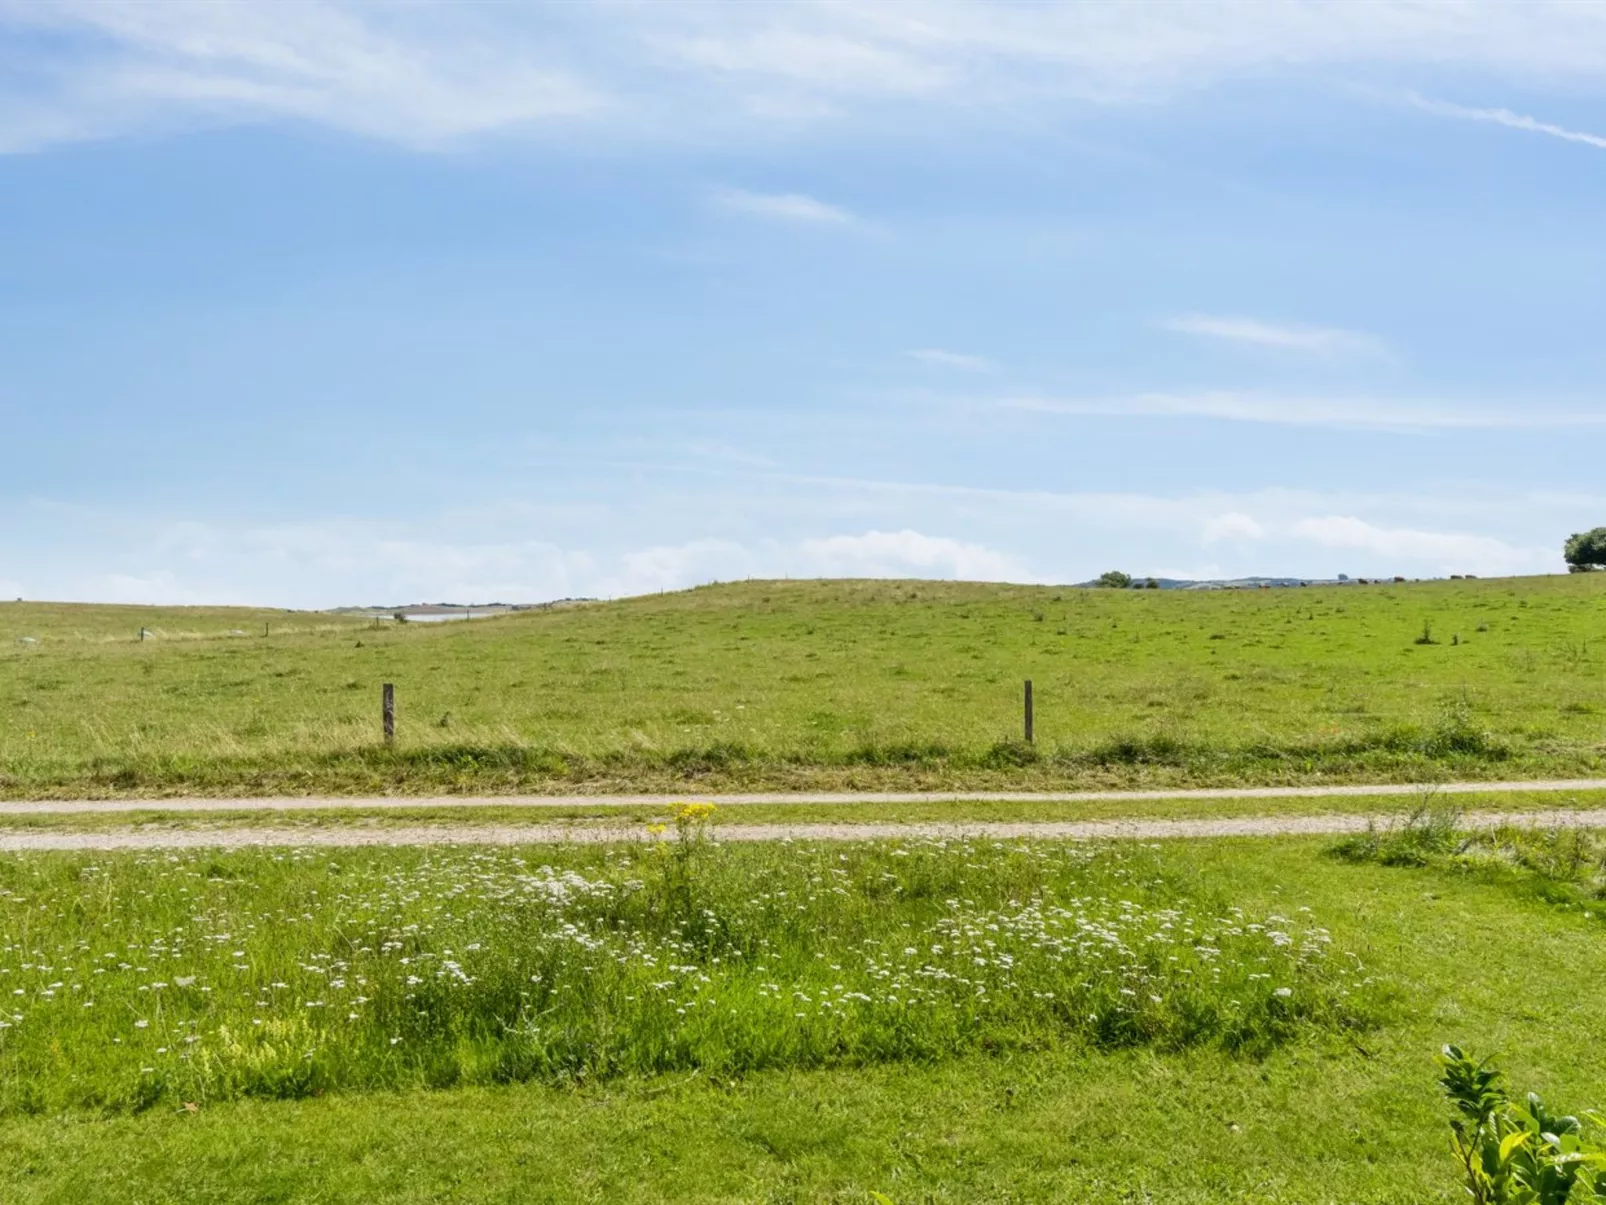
point(513, 769)
point(1328, 1116)
point(638, 817)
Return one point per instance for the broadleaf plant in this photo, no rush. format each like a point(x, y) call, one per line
point(1516, 1154)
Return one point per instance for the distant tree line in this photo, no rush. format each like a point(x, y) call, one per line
point(1116, 580)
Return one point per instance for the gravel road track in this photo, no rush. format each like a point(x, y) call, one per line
point(546, 834)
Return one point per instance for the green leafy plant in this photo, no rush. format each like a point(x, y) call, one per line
point(1515, 1154)
point(677, 859)
point(1115, 580)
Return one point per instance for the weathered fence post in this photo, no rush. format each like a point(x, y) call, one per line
point(387, 696)
point(1028, 711)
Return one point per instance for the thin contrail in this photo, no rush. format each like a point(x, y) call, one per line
point(1505, 117)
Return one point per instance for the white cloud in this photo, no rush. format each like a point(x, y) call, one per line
point(786, 207)
point(354, 562)
point(734, 523)
point(952, 359)
point(424, 73)
point(159, 586)
point(985, 51)
point(1231, 525)
point(674, 567)
point(1303, 411)
point(1505, 117)
point(908, 553)
point(1320, 340)
point(1450, 551)
point(420, 75)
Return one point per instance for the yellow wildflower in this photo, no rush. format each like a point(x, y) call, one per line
point(688, 813)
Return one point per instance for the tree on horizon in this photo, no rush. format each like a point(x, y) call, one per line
point(1585, 551)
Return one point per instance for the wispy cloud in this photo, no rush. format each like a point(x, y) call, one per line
point(1505, 117)
point(1318, 340)
point(423, 73)
point(729, 454)
point(415, 75)
point(1380, 547)
point(785, 207)
point(1232, 525)
point(1294, 410)
point(952, 359)
point(1449, 550)
point(779, 525)
point(908, 553)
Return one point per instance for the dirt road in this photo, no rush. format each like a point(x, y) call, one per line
point(541, 834)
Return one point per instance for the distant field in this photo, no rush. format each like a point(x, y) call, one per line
point(817, 685)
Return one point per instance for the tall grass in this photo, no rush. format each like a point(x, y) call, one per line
point(1563, 864)
point(134, 979)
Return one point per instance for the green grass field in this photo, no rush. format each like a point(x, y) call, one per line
point(508, 1088)
point(817, 685)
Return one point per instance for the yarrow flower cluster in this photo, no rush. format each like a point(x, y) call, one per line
point(290, 972)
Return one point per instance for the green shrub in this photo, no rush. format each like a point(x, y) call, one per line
point(1516, 1154)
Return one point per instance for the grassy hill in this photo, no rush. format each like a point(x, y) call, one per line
point(816, 685)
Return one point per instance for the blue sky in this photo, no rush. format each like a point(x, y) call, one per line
point(313, 304)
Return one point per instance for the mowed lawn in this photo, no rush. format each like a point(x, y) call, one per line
point(1336, 1109)
point(817, 685)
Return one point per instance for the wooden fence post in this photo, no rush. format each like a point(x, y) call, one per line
point(1028, 711)
point(387, 695)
